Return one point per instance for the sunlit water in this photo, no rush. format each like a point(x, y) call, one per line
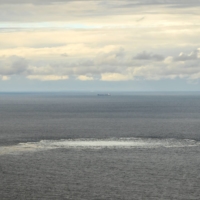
point(58, 146)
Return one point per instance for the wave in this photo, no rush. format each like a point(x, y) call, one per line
point(92, 143)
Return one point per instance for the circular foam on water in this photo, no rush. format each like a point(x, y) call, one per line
point(99, 144)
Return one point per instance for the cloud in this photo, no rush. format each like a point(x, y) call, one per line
point(47, 45)
point(64, 54)
point(5, 78)
point(47, 2)
point(149, 56)
point(85, 78)
point(115, 64)
point(174, 3)
point(135, 2)
point(114, 77)
point(184, 57)
point(13, 65)
point(84, 40)
point(113, 57)
point(91, 13)
point(47, 77)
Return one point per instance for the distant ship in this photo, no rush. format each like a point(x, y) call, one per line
point(104, 94)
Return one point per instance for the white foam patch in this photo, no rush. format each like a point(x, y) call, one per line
point(98, 144)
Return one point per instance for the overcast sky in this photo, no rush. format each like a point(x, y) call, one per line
point(126, 45)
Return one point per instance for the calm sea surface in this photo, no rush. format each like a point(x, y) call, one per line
point(89, 147)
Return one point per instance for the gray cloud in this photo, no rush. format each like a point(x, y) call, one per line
point(35, 2)
point(13, 65)
point(170, 3)
point(140, 19)
point(136, 2)
point(64, 55)
point(47, 45)
point(113, 60)
point(148, 56)
point(54, 10)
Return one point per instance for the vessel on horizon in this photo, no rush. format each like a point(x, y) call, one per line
point(103, 94)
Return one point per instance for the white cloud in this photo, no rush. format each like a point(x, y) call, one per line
point(85, 78)
point(114, 77)
point(5, 78)
point(47, 77)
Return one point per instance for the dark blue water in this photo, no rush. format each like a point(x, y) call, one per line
point(81, 146)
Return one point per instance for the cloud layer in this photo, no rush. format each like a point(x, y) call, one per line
point(113, 65)
point(54, 40)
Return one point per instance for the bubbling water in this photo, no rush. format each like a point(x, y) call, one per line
point(98, 144)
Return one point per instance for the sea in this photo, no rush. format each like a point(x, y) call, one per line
point(81, 146)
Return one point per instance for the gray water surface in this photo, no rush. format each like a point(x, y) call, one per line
point(61, 146)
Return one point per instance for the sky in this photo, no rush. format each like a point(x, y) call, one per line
point(106, 45)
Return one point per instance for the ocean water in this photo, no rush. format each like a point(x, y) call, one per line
point(81, 146)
